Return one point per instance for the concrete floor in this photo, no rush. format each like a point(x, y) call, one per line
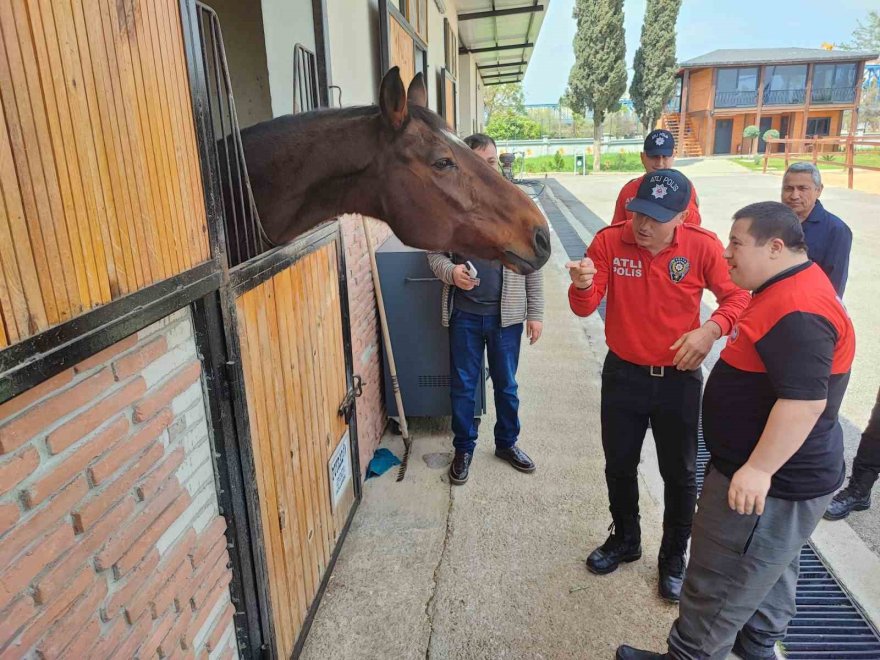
point(494, 568)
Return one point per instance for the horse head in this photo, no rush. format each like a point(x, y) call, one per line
point(437, 194)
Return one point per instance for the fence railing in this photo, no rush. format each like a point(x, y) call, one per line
point(840, 151)
point(736, 99)
point(833, 95)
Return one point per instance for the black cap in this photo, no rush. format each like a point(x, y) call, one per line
point(662, 195)
point(659, 143)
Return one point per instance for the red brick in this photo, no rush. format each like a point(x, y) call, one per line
point(9, 514)
point(136, 587)
point(17, 468)
point(206, 579)
point(122, 539)
point(21, 429)
point(130, 646)
point(164, 598)
point(151, 535)
point(13, 618)
point(101, 501)
point(55, 610)
point(126, 450)
point(63, 632)
point(155, 480)
point(161, 628)
point(208, 540)
point(220, 628)
point(105, 644)
point(33, 526)
point(135, 361)
point(164, 393)
point(89, 420)
point(68, 467)
point(55, 579)
point(201, 616)
point(83, 642)
point(34, 394)
point(138, 602)
point(173, 641)
point(41, 554)
point(107, 354)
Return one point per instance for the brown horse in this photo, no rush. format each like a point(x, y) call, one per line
point(397, 162)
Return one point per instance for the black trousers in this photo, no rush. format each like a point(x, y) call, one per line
point(866, 466)
point(631, 397)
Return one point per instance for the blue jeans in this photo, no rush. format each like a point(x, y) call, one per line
point(469, 335)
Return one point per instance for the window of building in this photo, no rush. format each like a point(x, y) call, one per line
point(785, 85)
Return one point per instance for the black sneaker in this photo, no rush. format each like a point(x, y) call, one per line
point(517, 458)
point(624, 545)
point(458, 471)
point(852, 498)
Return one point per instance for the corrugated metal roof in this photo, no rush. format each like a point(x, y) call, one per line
point(737, 56)
point(500, 35)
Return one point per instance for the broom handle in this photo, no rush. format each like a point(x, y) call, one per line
point(386, 337)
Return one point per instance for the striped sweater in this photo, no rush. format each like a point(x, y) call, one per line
point(522, 296)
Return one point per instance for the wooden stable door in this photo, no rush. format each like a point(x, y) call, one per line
point(293, 360)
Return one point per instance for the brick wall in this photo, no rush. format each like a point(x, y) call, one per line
point(366, 338)
point(110, 540)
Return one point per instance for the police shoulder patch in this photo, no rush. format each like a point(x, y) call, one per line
point(678, 268)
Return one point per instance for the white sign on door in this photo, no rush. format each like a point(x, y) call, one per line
point(339, 468)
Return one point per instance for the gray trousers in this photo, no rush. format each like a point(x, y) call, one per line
point(742, 574)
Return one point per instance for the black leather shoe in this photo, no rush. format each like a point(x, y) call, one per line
point(624, 545)
point(852, 498)
point(629, 653)
point(671, 568)
point(461, 464)
point(517, 458)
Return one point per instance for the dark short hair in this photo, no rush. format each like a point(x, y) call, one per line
point(479, 141)
point(773, 220)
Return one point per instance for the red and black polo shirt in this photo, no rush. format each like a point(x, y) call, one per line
point(794, 341)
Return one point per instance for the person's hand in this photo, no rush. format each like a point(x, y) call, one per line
point(461, 278)
point(581, 272)
point(693, 347)
point(534, 330)
point(748, 490)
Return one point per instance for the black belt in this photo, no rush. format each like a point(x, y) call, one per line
point(657, 371)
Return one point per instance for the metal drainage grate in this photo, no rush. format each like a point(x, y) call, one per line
point(828, 625)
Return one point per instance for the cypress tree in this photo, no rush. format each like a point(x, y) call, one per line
point(598, 77)
point(654, 64)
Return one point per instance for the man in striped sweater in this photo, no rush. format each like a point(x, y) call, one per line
point(486, 312)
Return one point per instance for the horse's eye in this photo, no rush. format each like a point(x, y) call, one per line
point(444, 164)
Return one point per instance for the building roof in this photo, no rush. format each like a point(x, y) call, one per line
point(500, 35)
point(741, 56)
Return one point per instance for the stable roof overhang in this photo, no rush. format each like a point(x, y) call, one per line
point(500, 35)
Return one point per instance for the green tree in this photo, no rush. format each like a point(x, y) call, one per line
point(654, 67)
point(508, 125)
point(751, 133)
point(598, 77)
point(507, 96)
point(866, 36)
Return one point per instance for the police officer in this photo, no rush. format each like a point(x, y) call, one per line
point(657, 154)
point(654, 269)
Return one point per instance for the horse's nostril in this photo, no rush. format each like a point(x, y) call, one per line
point(542, 242)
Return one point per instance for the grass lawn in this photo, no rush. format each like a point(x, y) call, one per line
point(611, 162)
point(825, 162)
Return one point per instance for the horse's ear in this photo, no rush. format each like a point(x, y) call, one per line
point(417, 93)
point(392, 99)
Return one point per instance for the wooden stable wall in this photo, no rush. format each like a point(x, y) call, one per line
point(402, 50)
point(290, 329)
point(99, 174)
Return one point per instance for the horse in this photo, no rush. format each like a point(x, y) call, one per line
point(398, 162)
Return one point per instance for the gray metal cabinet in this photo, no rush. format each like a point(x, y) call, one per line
point(421, 345)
